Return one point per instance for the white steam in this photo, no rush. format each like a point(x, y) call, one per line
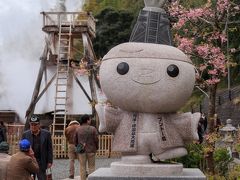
point(21, 45)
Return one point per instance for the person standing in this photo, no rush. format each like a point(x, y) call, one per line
point(4, 159)
point(217, 122)
point(202, 126)
point(22, 164)
point(3, 134)
point(70, 133)
point(41, 143)
point(88, 136)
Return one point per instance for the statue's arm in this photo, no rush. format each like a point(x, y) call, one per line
point(194, 125)
point(109, 117)
point(101, 115)
point(187, 124)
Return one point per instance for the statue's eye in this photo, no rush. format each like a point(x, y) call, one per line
point(172, 70)
point(123, 68)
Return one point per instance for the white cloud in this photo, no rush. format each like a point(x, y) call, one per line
point(21, 45)
point(4, 7)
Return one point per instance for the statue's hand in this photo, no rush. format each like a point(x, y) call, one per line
point(154, 3)
point(102, 121)
point(109, 104)
point(109, 116)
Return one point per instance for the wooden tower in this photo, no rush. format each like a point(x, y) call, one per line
point(68, 47)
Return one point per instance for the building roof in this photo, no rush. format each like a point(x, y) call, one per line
point(9, 116)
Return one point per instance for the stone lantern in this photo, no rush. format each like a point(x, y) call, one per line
point(229, 134)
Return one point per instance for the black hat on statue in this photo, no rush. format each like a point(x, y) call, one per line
point(153, 25)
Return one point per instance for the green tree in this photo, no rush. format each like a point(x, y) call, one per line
point(115, 21)
point(96, 6)
point(222, 159)
point(90, 5)
point(194, 158)
point(113, 28)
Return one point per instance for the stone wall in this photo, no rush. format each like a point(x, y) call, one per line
point(225, 109)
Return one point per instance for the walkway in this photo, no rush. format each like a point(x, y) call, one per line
point(61, 167)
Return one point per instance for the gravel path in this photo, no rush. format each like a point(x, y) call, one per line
point(60, 168)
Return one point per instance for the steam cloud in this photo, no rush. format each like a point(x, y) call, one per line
point(21, 45)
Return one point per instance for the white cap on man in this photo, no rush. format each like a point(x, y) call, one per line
point(73, 122)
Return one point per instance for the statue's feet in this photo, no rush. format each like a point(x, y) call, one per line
point(136, 159)
point(140, 165)
point(172, 153)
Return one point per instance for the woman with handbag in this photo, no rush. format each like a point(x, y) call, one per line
point(86, 141)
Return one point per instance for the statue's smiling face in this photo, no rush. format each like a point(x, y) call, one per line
point(140, 73)
point(147, 84)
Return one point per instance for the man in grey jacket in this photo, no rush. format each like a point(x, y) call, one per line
point(41, 144)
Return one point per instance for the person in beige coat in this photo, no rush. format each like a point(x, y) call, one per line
point(72, 155)
point(22, 164)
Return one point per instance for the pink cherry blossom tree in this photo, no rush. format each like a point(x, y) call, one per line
point(202, 34)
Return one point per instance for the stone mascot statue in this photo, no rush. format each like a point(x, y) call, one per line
point(147, 84)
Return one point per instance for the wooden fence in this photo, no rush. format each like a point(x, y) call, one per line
point(60, 146)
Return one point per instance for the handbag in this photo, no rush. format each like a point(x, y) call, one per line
point(80, 148)
point(49, 174)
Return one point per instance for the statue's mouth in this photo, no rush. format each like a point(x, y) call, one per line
point(146, 76)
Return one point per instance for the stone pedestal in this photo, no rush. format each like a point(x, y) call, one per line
point(154, 170)
point(139, 167)
point(4, 159)
point(107, 174)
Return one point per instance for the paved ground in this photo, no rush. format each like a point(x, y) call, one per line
point(60, 168)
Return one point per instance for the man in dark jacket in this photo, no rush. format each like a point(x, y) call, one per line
point(3, 136)
point(202, 126)
point(41, 144)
